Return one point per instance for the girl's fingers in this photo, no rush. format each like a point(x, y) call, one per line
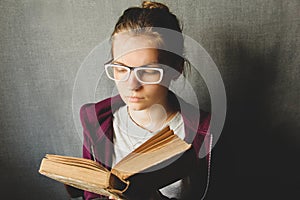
point(111, 197)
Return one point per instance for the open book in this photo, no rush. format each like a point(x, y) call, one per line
point(154, 164)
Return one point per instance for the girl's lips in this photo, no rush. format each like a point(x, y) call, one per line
point(134, 99)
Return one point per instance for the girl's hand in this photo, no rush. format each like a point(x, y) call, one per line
point(111, 197)
point(155, 196)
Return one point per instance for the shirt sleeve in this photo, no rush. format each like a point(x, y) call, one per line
point(87, 150)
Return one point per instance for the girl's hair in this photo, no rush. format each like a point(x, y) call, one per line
point(148, 20)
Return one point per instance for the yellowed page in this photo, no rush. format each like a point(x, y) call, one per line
point(164, 133)
point(90, 164)
point(82, 178)
point(154, 156)
point(160, 136)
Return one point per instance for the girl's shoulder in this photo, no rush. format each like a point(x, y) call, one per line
point(95, 113)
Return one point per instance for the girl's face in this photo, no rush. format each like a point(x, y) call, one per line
point(136, 95)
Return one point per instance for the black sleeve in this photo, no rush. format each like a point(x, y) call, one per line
point(143, 185)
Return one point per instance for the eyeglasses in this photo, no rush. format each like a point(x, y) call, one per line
point(148, 74)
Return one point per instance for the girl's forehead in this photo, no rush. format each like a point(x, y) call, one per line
point(139, 57)
point(125, 43)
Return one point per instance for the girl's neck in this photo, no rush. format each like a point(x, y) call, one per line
point(152, 118)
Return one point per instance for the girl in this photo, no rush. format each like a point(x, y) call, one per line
point(147, 54)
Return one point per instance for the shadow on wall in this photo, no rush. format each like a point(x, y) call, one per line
point(253, 156)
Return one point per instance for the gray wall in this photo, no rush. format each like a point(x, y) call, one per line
point(255, 45)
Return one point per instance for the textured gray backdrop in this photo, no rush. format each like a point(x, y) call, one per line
point(255, 45)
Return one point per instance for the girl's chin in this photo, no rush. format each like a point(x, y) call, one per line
point(136, 107)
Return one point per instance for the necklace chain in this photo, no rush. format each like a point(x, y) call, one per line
point(147, 131)
point(129, 116)
point(127, 125)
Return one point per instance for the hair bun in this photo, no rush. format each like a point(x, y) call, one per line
point(154, 5)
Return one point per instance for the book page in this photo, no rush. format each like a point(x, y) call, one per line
point(66, 172)
point(80, 173)
point(160, 135)
point(162, 146)
point(80, 162)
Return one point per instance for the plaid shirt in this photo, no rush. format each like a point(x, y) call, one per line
point(97, 125)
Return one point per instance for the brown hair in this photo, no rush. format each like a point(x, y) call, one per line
point(152, 15)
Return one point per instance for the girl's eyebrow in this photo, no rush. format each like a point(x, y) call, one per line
point(120, 63)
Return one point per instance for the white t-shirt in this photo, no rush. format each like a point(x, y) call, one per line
point(128, 136)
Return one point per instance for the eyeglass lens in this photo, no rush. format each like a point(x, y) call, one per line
point(145, 74)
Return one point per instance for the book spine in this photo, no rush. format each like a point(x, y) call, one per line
point(116, 184)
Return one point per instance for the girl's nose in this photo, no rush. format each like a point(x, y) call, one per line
point(132, 82)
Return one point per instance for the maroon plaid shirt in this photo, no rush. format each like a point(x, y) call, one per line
point(97, 125)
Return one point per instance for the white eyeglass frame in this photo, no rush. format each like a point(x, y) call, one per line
point(135, 69)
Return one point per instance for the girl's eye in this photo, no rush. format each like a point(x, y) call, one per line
point(149, 71)
point(120, 70)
